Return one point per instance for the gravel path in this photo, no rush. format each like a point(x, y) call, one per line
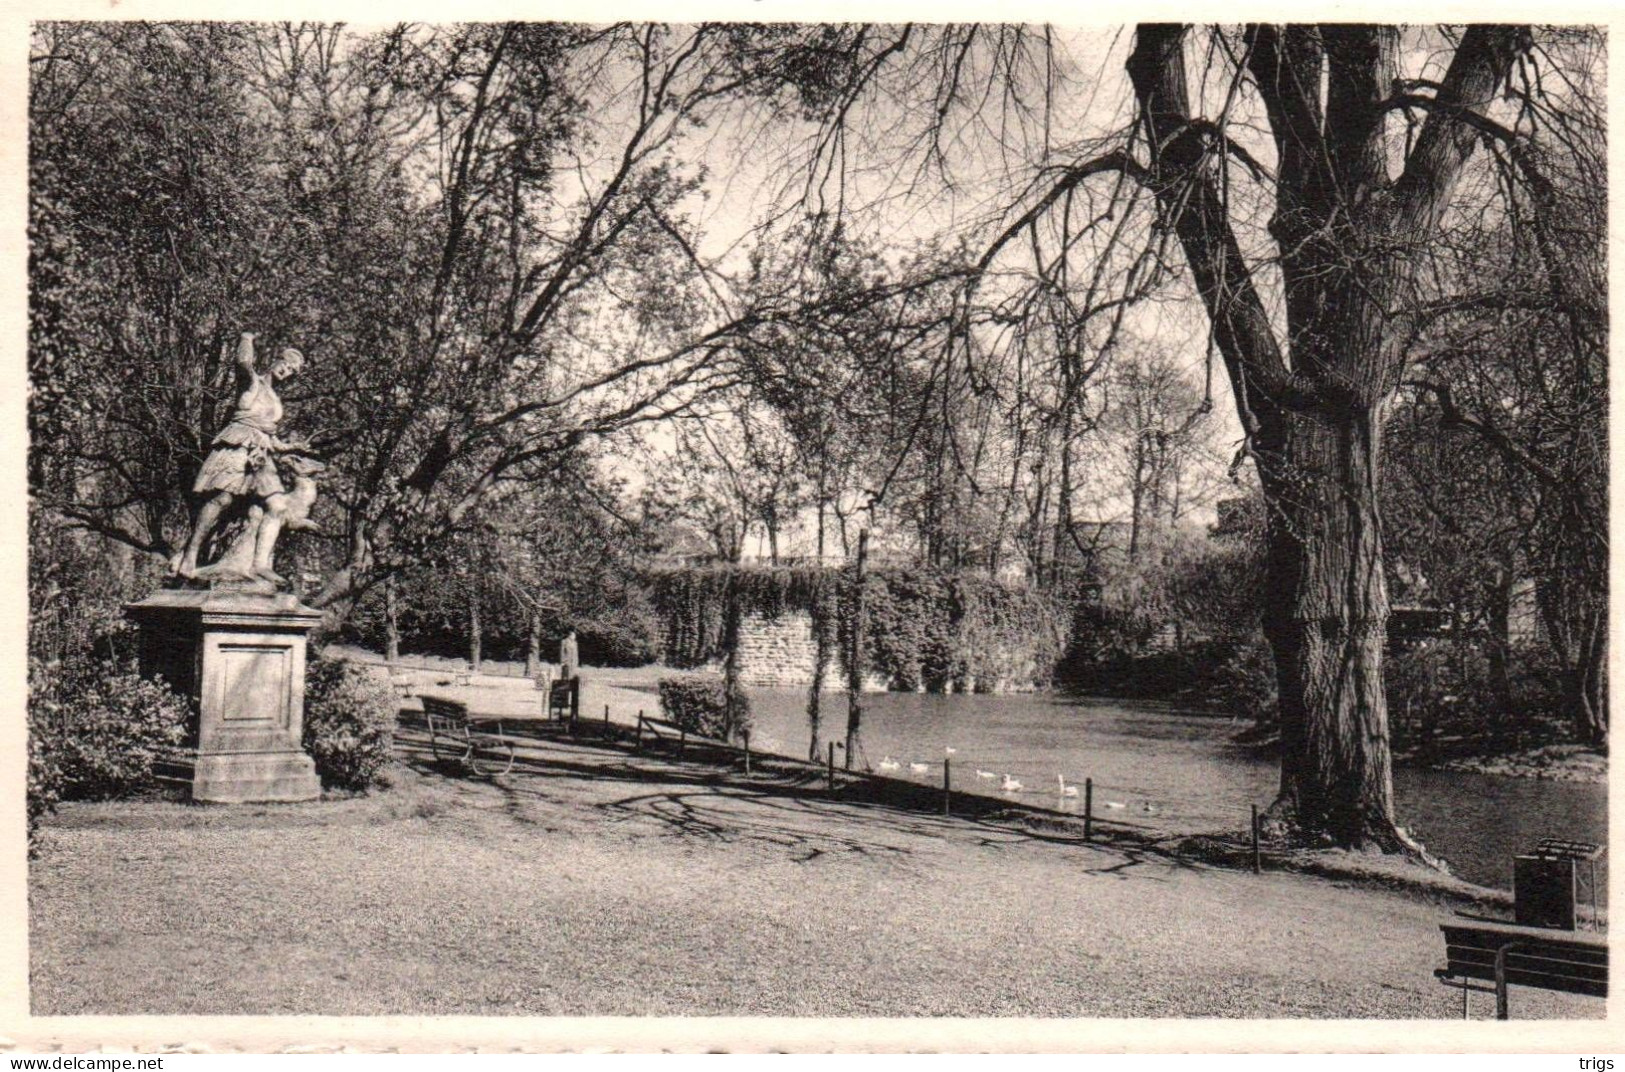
point(593, 882)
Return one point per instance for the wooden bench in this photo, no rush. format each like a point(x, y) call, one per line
point(476, 742)
point(1507, 956)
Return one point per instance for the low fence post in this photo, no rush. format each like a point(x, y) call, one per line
point(831, 766)
point(637, 743)
point(947, 786)
point(682, 743)
point(746, 735)
point(606, 714)
point(1258, 863)
point(1088, 808)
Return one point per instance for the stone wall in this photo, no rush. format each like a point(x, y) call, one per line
point(779, 652)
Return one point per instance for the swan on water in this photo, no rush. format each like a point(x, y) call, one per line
point(919, 768)
point(1114, 805)
point(950, 751)
point(890, 764)
point(1010, 785)
point(1066, 790)
point(989, 775)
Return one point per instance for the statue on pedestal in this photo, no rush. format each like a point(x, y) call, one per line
point(226, 636)
point(242, 467)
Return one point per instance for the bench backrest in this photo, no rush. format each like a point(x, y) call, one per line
point(562, 695)
point(445, 715)
point(1571, 964)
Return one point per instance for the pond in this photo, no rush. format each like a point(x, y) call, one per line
point(1171, 772)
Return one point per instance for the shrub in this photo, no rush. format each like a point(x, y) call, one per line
point(43, 777)
point(1102, 634)
point(699, 703)
point(100, 729)
point(1244, 680)
point(349, 724)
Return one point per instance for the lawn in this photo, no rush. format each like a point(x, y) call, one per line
point(594, 882)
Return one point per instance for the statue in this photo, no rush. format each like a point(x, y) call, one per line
point(569, 658)
point(242, 464)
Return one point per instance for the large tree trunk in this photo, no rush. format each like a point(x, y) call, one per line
point(1348, 235)
point(1326, 615)
point(1063, 504)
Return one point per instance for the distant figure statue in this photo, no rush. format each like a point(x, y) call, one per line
point(242, 464)
point(569, 658)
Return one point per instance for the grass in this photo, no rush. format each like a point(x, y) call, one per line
point(592, 882)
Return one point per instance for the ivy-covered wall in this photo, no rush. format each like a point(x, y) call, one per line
point(924, 630)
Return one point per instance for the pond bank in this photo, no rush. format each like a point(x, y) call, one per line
point(1555, 762)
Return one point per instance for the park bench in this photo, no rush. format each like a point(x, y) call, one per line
point(1507, 956)
point(476, 742)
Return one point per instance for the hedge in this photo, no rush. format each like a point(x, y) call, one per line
point(923, 628)
point(700, 704)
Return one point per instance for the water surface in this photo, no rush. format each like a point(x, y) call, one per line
point(1171, 772)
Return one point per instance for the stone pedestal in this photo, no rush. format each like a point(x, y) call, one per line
point(241, 657)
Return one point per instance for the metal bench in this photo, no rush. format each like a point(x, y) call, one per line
point(477, 743)
point(1507, 956)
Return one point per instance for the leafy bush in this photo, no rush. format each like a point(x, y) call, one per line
point(699, 703)
point(43, 777)
point(349, 724)
point(1244, 680)
point(100, 729)
point(1102, 634)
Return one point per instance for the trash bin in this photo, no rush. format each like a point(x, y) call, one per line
point(1543, 891)
point(1545, 883)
